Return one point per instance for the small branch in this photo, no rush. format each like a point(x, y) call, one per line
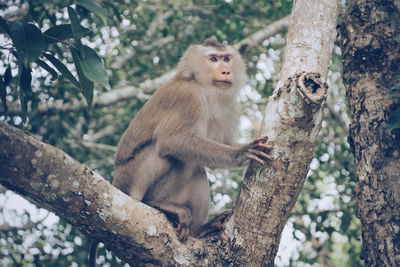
point(258, 37)
point(19, 13)
point(3, 189)
point(158, 43)
point(93, 145)
point(103, 132)
point(5, 228)
point(157, 21)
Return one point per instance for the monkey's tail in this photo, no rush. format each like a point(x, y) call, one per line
point(93, 253)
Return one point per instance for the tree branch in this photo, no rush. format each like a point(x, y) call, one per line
point(157, 21)
point(47, 176)
point(258, 37)
point(3, 189)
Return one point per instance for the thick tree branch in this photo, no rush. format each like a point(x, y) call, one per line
point(292, 122)
point(50, 178)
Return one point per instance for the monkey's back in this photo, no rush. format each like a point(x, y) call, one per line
point(163, 115)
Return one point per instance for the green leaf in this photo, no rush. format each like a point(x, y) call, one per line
point(61, 32)
point(75, 24)
point(395, 91)
point(397, 38)
point(25, 81)
point(92, 66)
point(394, 120)
point(44, 65)
point(89, 5)
point(116, 11)
point(3, 94)
point(28, 40)
point(86, 85)
point(25, 90)
point(63, 69)
point(4, 26)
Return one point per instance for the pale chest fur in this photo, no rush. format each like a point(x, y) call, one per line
point(222, 119)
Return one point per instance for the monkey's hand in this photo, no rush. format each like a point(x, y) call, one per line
point(254, 150)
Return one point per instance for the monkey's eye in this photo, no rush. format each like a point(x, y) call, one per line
point(227, 59)
point(213, 59)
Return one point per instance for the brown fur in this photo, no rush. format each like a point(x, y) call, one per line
point(214, 42)
point(188, 124)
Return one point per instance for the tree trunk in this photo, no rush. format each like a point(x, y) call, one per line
point(292, 122)
point(371, 65)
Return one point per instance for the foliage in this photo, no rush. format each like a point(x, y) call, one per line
point(29, 44)
point(138, 41)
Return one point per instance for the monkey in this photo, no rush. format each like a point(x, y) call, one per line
point(188, 124)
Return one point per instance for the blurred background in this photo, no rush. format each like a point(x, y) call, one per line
point(140, 41)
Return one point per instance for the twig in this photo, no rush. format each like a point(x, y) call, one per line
point(5, 228)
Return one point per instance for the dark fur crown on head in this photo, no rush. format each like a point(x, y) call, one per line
point(212, 41)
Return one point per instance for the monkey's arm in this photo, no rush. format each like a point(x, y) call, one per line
point(178, 133)
point(190, 147)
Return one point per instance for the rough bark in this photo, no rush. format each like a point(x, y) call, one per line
point(371, 63)
point(292, 122)
point(136, 233)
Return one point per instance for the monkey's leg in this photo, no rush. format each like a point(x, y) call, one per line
point(181, 214)
point(216, 223)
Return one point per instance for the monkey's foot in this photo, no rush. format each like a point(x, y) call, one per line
point(180, 215)
point(216, 224)
point(184, 220)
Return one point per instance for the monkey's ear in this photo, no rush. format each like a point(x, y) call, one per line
point(186, 75)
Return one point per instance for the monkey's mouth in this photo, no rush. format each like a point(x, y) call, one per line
point(222, 83)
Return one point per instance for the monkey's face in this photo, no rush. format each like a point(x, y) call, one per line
point(219, 67)
point(219, 64)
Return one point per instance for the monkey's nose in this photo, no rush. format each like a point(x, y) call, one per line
point(226, 72)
